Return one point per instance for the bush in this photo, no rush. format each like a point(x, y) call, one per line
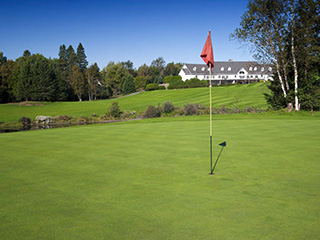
point(25, 120)
point(115, 110)
point(168, 107)
point(83, 120)
point(190, 109)
point(173, 80)
point(128, 114)
point(195, 82)
point(63, 118)
point(154, 86)
point(191, 83)
point(152, 112)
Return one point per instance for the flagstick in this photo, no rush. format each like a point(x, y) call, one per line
point(210, 87)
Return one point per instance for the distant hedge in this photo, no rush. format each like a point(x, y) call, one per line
point(175, 82)
point(154, 86)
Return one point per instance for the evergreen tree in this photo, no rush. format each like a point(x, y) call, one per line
point(62, 74)
point(26, 53)
point(71, 60)
point(3, 76)
point(81, 58)
point(33, 78)
point(128, 85)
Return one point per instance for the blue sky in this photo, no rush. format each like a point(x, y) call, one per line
point(136, 30)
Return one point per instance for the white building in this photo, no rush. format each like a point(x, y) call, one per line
point(228, 72)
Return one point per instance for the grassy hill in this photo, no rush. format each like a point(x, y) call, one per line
point(149, 180)
point(239, 96)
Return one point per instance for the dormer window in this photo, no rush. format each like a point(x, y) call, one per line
point(262, 69)
point(222, 69)
point(270, 69)
point(250, 68)
point(203, 69)
point(229, 69)
point(195, 69)
point(255, 68)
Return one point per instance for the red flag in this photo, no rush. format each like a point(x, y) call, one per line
point(207, 52)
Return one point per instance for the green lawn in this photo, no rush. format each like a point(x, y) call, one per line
point(149, 180)
point(239, 96)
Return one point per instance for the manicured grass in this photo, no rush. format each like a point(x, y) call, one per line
point(239, 96)
point(149, 180)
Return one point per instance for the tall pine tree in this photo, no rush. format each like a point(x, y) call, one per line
point(62, 74)
point(81, 58)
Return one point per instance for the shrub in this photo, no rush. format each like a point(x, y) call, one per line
point(190, 109)
point(115, 110)
point(195, 82)
point(128, 114)
point(173, 80)
point(168, 107)
point(25, 120)
point(63, 118)
point(83, 120)
point(154, 86)
point(152, 112)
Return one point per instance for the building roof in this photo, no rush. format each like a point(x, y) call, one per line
point(230, 67)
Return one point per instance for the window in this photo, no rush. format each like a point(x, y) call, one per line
point(219, 76)
point(270, 69)
point(222, 69)
point(242, 72)
point(255, 68)
point(202, 69)
point(250, 68)
point(195, 69)
point(262, 69)
point(229, 69)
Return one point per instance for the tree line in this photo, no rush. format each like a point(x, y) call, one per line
point(33, 77)
point(286, 33)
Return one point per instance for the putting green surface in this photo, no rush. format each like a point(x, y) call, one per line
point(149, 180)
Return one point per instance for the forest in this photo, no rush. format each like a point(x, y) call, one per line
point(33, 77)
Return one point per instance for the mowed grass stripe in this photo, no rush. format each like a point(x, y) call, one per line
point(230, 96)
point(149, 180)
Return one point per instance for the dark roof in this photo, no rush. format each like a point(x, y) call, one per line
point(230, 67)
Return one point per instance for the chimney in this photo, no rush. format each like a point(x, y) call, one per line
point(230, 60)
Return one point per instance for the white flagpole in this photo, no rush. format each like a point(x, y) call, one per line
point(210, 87)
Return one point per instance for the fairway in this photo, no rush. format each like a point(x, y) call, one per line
point(149, 180)
point(240, 96)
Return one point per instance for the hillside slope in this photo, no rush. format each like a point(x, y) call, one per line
point(239, 96)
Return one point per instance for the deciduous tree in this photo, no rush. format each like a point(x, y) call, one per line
point(78, 82)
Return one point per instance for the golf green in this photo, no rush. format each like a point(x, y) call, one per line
point(149, 180)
